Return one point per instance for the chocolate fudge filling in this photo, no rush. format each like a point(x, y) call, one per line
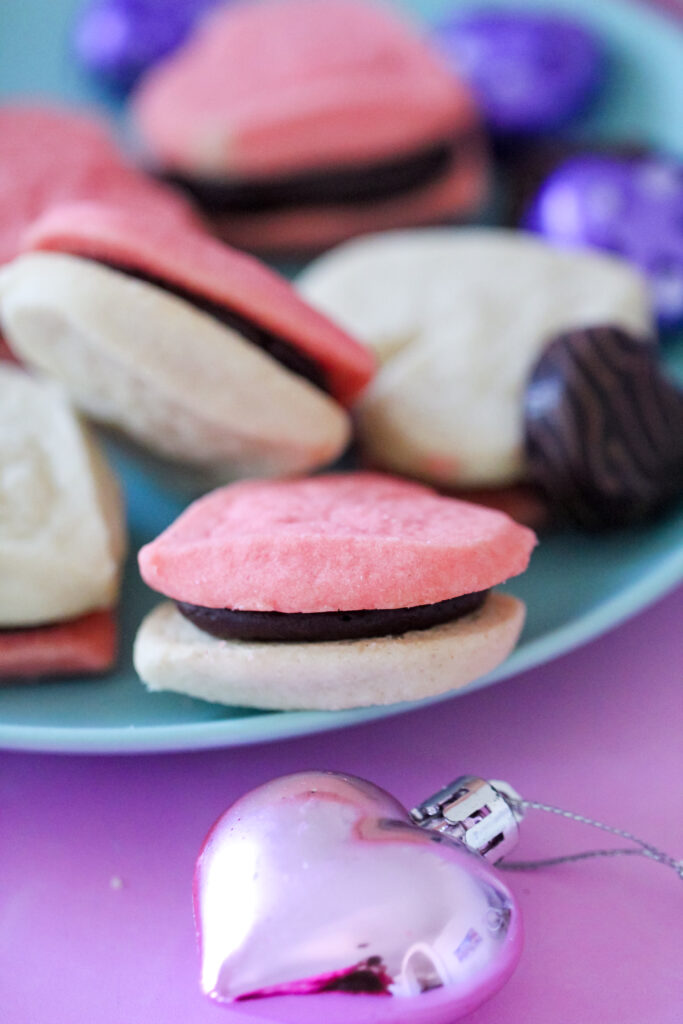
point(277, 348)
point(311, 627)
point(366, 183)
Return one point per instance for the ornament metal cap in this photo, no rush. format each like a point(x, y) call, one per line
point(484, 815)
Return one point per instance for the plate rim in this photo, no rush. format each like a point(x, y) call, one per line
point(630, 599)
point(627, 602)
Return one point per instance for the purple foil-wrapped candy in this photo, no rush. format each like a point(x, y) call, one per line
point(531, 72)
point(526, 163)
point(119, 39)
point(632, 207)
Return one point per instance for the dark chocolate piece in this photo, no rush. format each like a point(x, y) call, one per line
point(282, 351)
point(603, 429)
point(331, 186)
point(311, 627)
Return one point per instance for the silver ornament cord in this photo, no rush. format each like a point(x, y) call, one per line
point(645, 849)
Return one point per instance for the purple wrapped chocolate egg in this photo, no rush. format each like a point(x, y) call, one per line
point(530, 71)
point(119, 39)
point(632, 207)
point(603, 429)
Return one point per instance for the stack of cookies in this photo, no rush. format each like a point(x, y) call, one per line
point(457, 385)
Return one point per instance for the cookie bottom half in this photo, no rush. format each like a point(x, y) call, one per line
point(83, 646)
point(172, 654)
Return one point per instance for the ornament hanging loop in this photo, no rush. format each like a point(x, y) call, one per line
point(641, 847)
point(483, 815)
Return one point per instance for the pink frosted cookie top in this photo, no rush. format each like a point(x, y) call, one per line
point(339, 542)
point(194, 261)
point(273, 87)
point(50, 156)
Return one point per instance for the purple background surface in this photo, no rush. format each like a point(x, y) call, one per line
point(97, 854)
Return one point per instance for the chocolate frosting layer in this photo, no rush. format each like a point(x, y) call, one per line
point(325, 186)
point(282, 351)
point(311, 627)
point(603, 429)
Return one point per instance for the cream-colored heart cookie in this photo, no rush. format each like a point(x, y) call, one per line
point(61, 516)
point(458, 318)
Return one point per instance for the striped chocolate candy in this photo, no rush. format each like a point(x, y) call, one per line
point(603, 429)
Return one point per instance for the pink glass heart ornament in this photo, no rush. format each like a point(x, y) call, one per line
point(319, 898)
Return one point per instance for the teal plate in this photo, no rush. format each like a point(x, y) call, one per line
point(576, 588)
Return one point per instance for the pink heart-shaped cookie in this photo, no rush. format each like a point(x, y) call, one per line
point(317, 898)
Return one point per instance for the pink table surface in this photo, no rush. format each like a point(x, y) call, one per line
point(96, 854)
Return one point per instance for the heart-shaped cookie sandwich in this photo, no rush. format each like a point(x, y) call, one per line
point(61, 536)
point(298, 123)
point(193, 349)
point(332, 592)
point(50, 156)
